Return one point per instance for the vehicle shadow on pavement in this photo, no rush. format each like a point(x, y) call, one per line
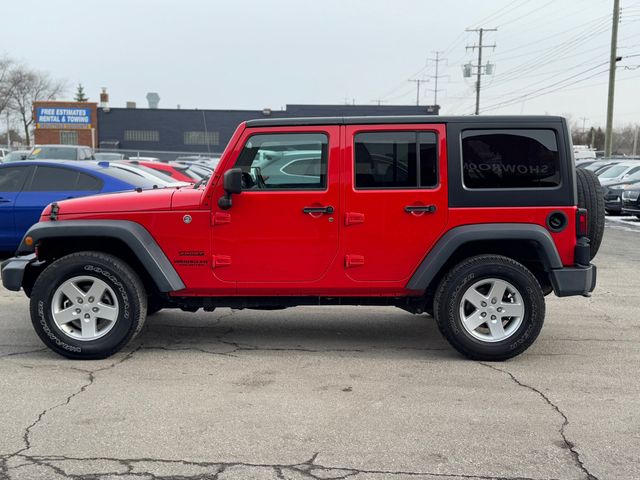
point(315, 329)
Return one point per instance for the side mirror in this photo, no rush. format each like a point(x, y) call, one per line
point(232, 184)
point(233, 181)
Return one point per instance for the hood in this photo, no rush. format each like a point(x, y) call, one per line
point(130, 201)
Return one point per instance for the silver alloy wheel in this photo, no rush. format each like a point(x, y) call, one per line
point(491, 310)
point(84, 308)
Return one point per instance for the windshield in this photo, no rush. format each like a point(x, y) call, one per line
point(15, 156)
point(614, 171)
point(56, 153)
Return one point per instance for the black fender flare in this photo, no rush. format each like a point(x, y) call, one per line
point(134, 235)
point(458, 236)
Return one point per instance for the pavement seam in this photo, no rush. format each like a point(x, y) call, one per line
point(565, 420)
point(305, 469)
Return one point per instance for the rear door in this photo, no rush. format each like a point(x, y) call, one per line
point(395, 199)
point(50, 184)
point(12, 180)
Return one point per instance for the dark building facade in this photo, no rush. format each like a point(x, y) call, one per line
point(208, 131)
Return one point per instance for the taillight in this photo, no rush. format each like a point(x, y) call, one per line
point(582, 224)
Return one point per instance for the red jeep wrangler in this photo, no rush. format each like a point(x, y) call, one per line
point(472, 220)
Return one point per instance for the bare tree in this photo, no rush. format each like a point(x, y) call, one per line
point(6, 83)
point(30, 86)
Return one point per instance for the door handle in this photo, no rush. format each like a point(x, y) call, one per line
point(4, 200)
point(327, 209)
point(420, 208)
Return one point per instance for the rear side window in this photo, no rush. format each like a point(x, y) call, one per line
point(510, 158)
point(392, 160)
point(12, 179)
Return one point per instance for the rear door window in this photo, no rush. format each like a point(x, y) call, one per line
point(510, 158)
point(53, 179)
point(395, 160)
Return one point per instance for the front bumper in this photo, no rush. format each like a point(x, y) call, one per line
point(574, 280)
point(13, 271)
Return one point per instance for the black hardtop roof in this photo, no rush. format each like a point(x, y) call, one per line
point(381, 120)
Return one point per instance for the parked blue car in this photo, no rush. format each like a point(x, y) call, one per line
point(29, 186)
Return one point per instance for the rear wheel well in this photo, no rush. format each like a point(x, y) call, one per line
point(527, 252)
point(50, 249)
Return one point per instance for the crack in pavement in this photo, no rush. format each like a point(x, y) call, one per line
point(26, 436)
point(13, 354)
point(310, 469)
point(565, 421)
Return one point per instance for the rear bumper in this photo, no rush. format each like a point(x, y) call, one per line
point(574, 280)
point(13, 271)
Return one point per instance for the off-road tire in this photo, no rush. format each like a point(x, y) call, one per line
point(591, 197)
point(450, 293)
point(128, 288)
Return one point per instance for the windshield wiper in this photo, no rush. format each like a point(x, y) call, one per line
point(202, 181)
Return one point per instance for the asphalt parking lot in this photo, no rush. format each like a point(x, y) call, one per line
point(332, 393)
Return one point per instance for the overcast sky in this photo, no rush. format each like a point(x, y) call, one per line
point(250, 54)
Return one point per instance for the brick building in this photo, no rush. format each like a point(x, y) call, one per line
point(70, 123)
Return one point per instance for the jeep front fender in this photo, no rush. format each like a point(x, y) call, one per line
point(134, 235)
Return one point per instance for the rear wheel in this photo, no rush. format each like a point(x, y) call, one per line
point(88, 305)
point(591, 198)
point(489, 307)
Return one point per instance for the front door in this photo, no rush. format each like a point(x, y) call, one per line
point(395, 199)
point(281, 232)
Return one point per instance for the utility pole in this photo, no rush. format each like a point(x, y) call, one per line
point(437, 61)
point(584, 120)
point(9, 132)
point(418, 81)
point(480, 46)
point(635, 141)
point(379, 101)
point(608, 137)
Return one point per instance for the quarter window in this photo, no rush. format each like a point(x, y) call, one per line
point(392, 160)
point(510, 158)
point(294, 161)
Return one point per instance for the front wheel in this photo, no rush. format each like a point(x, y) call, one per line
point(88, 305)
point(490, 307)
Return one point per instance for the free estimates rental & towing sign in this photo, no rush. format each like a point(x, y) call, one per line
point(57, 117)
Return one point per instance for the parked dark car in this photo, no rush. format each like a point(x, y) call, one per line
point(61, 152)
point(631, 200)
point(613, 195)
point(27, 187)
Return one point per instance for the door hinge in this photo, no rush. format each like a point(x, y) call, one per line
point(353, 261)
point(220, 218)
point(351, 218)
point(220, 261)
